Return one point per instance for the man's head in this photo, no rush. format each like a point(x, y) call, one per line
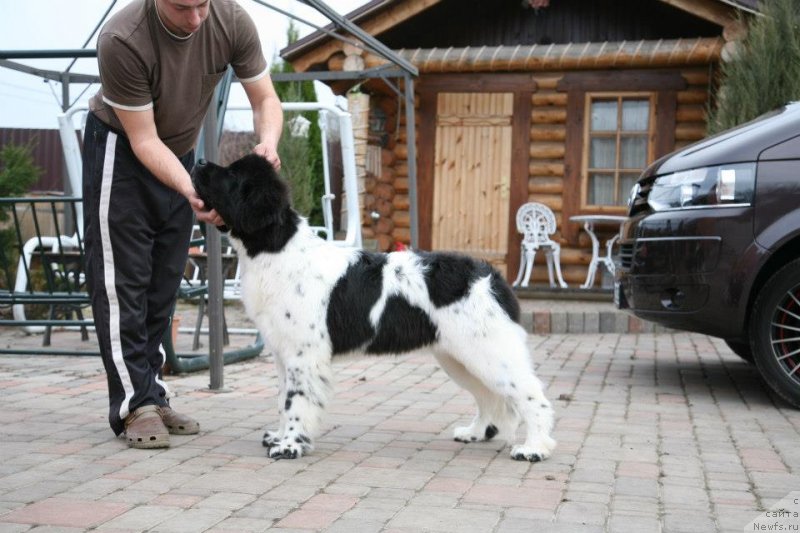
point(183, 17)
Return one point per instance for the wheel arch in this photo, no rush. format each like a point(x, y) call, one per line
point(788, 251)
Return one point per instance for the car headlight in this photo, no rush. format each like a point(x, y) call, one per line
point(723, 185)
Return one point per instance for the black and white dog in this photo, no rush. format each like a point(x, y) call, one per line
point(312, 300)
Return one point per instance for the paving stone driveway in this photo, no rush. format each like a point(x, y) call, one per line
point(667, 432)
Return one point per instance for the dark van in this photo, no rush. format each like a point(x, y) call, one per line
point(712, 244)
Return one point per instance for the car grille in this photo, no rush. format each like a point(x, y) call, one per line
point(639, 202)
point(626, 256)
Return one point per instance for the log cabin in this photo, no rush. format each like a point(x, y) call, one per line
point(562, 102)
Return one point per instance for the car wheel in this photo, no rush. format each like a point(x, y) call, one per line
point(775, 333)
point(742, 349)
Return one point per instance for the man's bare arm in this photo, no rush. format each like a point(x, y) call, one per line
point(140, 128)
point(267, 118)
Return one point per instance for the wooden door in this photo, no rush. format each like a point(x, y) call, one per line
point(472, 174)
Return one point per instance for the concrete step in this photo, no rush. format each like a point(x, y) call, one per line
point(546, 311)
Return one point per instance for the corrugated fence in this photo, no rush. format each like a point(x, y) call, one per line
point(47, 154)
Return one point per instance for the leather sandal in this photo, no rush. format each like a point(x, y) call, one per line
point(144, 428)
point(178, 424)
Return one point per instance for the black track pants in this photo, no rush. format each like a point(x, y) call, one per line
point(136, 236)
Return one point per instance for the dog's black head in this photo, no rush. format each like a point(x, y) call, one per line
point(251, 198)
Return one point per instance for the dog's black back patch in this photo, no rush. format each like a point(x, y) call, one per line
point(402, 327)
point(352, 298)
point(450, 276)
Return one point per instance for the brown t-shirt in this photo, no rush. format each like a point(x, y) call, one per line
point(143, 65)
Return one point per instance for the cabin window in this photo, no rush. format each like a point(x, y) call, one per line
point(619, 133)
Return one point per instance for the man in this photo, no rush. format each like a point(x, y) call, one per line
point(160, 61)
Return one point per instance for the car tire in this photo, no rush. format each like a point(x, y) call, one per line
point(775, 333)
point(740, 348)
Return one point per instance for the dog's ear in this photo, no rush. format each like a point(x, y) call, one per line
point(264, 195)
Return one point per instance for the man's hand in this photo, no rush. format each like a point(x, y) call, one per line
point(269, 153)
point(203, 215)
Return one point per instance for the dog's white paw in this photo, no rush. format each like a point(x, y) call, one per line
point(534, 454)
point(474, 433)
point(288, 448)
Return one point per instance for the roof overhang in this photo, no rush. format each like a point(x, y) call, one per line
point(605, 55)
point(625, 54)
point(381, 15)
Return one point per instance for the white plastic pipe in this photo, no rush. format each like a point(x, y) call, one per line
point(21, 282)
point(72, 158)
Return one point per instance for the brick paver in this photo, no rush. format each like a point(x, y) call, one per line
point(657, 431)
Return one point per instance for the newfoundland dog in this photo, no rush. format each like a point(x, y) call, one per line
point(313, 300)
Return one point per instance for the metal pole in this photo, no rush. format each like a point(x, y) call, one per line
point(34, 54)
point(214, 269)
point(89, 39)
point(411, 137)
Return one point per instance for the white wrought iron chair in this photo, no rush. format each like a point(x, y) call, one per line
point(537, 222)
